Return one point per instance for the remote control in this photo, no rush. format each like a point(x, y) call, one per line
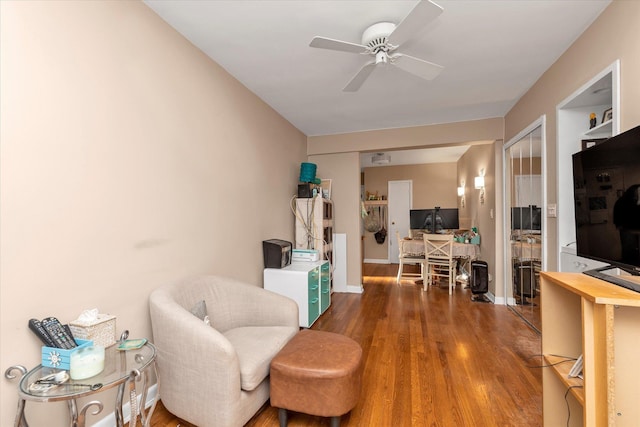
point(68, 331)
point(58, 334)
point(36, 328)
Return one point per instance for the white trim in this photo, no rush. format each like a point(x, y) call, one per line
point(355, 289)
point(498, 300)
point(109, 420)
point(540, 122)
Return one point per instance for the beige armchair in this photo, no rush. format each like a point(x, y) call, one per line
point(217, 375)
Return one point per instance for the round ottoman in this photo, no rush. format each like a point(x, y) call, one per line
point(317, 373)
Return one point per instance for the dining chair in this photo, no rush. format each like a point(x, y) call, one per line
point(438, 249)
point(406, 257)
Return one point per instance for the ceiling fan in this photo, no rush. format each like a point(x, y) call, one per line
point(381, 40)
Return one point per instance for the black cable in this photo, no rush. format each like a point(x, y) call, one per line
point(566, 359)
point(566, 394)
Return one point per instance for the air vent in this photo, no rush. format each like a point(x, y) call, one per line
point(381, 159)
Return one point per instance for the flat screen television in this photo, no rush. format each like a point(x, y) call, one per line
point(434, 220)
point(606, 179)
point(526, 218)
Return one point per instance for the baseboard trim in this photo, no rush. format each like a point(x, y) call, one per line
point(355, 289)
point(109, 419)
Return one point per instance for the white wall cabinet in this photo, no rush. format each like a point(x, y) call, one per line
point(307, 283)
point(573, 127)
point(571, 263)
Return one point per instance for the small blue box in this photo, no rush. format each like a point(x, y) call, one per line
point(475, 240)
point(60, 358)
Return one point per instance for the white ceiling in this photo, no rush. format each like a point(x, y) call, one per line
point(492, 52)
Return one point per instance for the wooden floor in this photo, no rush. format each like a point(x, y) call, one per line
point(430, 359)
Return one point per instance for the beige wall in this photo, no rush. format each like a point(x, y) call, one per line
point(128, 160)
point(433, 185)
point(614, 35)
point(476, 213)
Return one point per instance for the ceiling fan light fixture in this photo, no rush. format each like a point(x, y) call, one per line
point(383, 38)
point(381, 159)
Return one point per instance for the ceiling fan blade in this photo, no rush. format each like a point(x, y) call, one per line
point(360, 77)
point(325, 43)
point(416, 66)
point(424, 12)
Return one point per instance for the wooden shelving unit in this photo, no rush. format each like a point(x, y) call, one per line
point(561, 367)
point(314, 226)
point(601, 321)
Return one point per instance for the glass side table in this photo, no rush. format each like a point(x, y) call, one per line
point(122, 369)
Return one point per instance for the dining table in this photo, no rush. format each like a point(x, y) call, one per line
point(459, 250)
point(465, 252)
point(526, 250)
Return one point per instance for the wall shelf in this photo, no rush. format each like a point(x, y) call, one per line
point(604, 129)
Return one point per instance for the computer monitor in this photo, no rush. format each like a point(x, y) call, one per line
point(434, 220)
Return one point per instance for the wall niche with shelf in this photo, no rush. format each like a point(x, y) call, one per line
point(574, 133)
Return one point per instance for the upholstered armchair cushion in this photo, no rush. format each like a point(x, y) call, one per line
point(217, 375)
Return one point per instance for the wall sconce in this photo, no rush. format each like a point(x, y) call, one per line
point(461, 194)
point(479, 185)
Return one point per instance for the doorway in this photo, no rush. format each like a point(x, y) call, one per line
point(524, 201)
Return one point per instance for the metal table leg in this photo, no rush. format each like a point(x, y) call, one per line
point(21, 420)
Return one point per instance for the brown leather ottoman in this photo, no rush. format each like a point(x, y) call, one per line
point(316, 373)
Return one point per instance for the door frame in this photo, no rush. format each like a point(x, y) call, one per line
point(506, 202)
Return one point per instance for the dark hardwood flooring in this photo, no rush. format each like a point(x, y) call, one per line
point(430, 359)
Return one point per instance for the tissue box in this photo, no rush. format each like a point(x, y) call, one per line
point(102, 330)
point(60, 358)
point(475, 240)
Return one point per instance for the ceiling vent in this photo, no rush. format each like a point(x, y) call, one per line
point(381, 159)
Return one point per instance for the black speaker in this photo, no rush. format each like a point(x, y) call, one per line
point(305, 191)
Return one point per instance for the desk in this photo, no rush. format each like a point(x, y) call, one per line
point(121, 368)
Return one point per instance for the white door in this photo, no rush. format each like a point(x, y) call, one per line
point(400, 202)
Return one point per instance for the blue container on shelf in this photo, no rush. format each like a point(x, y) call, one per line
point(307, 172)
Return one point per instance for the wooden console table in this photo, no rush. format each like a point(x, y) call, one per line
point(582, 315)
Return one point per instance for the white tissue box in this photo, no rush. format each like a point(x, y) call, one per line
point(102, 331)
